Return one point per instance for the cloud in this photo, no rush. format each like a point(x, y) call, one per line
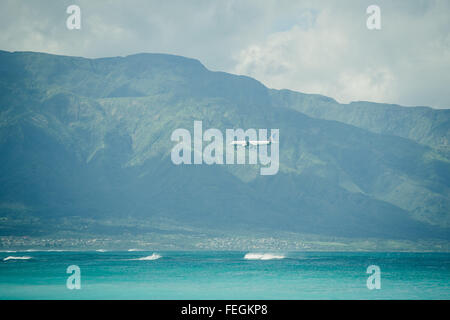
point(340, 57)
point(309, 46)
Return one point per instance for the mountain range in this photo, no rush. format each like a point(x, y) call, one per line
point(85, 147)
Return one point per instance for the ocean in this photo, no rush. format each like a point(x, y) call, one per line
point(223, 275)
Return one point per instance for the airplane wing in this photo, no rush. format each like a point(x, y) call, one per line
point(256, 143)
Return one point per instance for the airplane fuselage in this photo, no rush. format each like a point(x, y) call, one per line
point(246, 143)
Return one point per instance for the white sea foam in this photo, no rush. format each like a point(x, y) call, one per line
point(100, 250)
point(263, 256)
point(8, 251)
point(132, 250)
point(154, 256)
point(16, 258)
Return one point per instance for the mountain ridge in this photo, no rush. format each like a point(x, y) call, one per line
point(91, 138)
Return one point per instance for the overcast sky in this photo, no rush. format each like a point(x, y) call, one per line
point(309, 46)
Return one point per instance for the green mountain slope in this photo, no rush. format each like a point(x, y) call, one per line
point(421, 124)
point(90, 139)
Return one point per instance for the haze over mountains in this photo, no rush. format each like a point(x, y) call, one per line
point(89, 140)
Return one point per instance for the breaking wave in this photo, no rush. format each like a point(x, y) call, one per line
point(263, 256)
point(16, 258)
point(154, 256)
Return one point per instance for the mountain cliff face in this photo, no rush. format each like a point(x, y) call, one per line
point(90, 139)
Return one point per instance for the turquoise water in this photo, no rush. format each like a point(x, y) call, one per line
point(224, 275)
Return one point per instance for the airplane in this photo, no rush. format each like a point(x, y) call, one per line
point(246, 143)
